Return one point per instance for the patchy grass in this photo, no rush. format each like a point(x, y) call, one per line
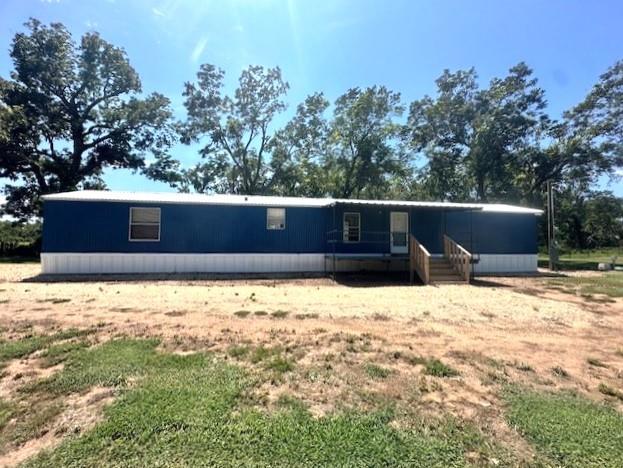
point(185, 410)
point(377, 372)
point(280, 364)
point(18, 259)
point(584, 259)
point(15, 349)
point(608, 284)
point(238, 351)
point(609, 391)
point(524, 367)
point(432, 366)
point(596, 362)
point(437, 368)
point(28, 422)
point(570, 430)
point(560, 372)
point(279, 314)
point(6, 411)
point(307, 316)
point(57, 353)
point(108, 365)
point(261, 353)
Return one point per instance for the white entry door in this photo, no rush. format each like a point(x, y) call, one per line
point(399, 232)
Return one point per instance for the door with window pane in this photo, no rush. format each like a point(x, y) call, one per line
point(352, 227)
point(399, 232)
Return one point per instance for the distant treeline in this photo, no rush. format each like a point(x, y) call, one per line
point(20, 239)
point(72, 109)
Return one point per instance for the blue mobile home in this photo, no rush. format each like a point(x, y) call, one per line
point(116, 232)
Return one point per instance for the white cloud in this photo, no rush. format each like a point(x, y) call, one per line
point(91, 24)
point(50, 1)
point(198, 50)
point(158, 12)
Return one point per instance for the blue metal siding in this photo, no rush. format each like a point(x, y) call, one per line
point(374, 225)
point(493, 233)
point(103, 227)
point(427, 225)
point(481, 232)
point(73, 226)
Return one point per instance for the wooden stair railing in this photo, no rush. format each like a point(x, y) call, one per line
point(459, 257)
point(419, 260)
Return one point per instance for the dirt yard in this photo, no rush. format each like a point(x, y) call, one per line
point(499, 329)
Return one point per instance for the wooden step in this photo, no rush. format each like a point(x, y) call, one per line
point(445, 277)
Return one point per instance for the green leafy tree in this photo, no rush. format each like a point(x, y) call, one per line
point(237, 129)
point(20, 238)
point(604, 220)
point(473, 138)
point(364, 154)
point(299, 151)
point(68, 112)
point(442, 130)
point(598, 120)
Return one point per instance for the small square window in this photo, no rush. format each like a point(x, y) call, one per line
point(144, 224)
point(275, 218)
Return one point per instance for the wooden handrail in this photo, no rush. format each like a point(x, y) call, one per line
point(419, 260)
point(458, 257)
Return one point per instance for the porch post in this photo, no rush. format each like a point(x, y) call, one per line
point(334, 241)
point(410, 246)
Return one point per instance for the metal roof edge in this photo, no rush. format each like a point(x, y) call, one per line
point(260, 200)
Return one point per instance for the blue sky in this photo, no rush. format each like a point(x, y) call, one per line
point(336, 44)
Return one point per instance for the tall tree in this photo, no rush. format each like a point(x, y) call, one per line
point(597, 122)
point(300, 149)
point(364, 153)
point(473, 137)
point(68, 112)
point(585, 145)
point(442, 130)
point(237, 128)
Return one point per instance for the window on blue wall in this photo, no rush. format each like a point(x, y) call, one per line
point(275, 218)
point(144, 224)
point(352, 227)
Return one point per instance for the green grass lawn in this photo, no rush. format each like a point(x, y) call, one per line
point(569, 430)
point(199, 410)
point(191, 410)
point(12, 259)
point(584, 259)
point(609, 284)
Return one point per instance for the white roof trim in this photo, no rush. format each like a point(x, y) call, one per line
point(256, 200)
point(187, 198)
point(489, 207)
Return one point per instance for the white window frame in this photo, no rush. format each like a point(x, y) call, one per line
point(275, 228)
point(130, 224)
point(345, 236)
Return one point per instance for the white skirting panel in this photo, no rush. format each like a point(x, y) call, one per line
point(501, 263)
point(101, 263)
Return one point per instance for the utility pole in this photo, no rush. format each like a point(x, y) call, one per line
point(551, 232)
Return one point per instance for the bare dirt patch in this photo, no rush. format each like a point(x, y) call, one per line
point(80, 413)
point(21, 372)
